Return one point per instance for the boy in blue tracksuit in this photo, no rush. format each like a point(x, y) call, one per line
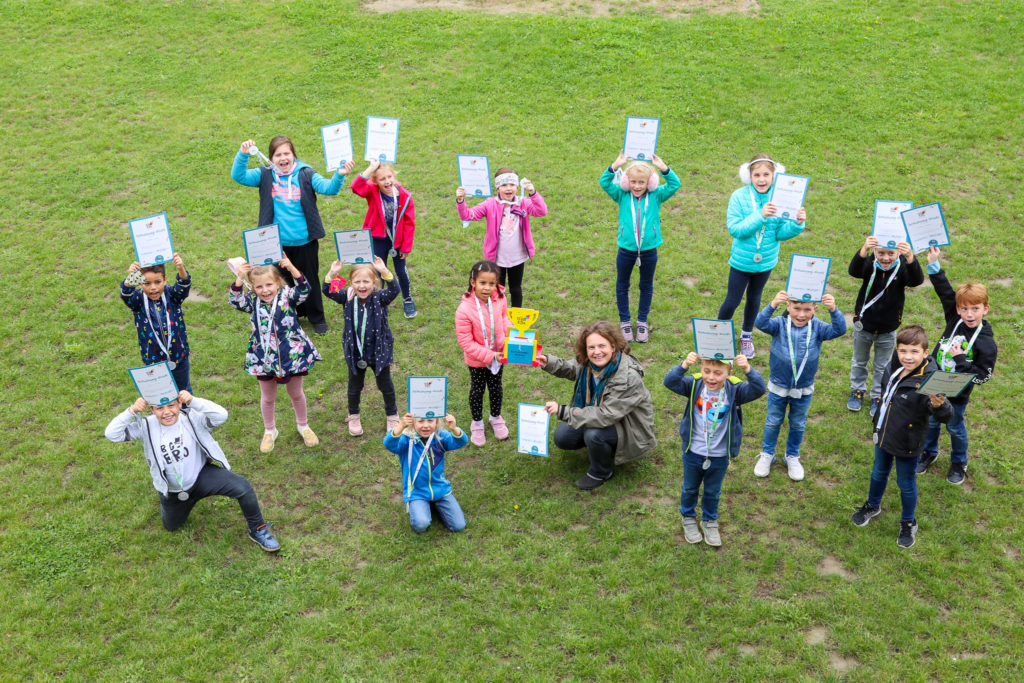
point(420, 447)
point(711, 431)
point(796, 347)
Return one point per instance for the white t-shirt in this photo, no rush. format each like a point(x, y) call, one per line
point(179, 457)
point(511, 246)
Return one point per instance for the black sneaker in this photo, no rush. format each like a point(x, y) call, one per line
point(957, 473)
point(908, 534)
point(589, 483)
point(320, 328)
point(924, 461)
point(864, 513)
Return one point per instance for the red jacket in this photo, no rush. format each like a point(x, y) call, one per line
point(405, 231)
point(467, 328)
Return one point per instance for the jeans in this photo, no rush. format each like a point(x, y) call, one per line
point(776, 415)
point(884, 344)
point(356, 378)
point(693, 474)
point(212, 481)
point(600, 443)
point(754, 284)
point(382, 248)
point(306, 257)
point(906, 479)
point(180, 374)
point(625, 261)
point(957, 435)
point(447, 508)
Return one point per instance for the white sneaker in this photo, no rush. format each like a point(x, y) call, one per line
point(764, 464)
point(795, 469)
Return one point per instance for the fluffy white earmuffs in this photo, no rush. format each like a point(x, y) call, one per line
point(652, 181)
point(745, 168)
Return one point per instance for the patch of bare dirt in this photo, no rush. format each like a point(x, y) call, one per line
point(672, 9)
point(816, 635)
point(831, 565)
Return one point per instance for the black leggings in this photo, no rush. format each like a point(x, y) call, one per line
point(480, 378)
point(212, 481)
point(515, 283)
point(357, 377)
point(754, 284)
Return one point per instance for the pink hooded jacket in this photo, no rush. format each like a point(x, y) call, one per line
point(469, 334)
point(492, 210)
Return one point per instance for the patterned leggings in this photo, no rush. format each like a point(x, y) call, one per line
point(479, 379)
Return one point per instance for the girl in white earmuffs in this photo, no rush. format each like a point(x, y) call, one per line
point(639, 197)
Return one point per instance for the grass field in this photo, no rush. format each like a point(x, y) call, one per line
point(113, 111)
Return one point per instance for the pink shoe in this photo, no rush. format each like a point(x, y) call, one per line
point(355, 426)
point(393, 421)
point(476, 433)
point(499, 427)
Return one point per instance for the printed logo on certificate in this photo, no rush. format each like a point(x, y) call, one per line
point(428, 397)
point(714, 339)
point(337, 139)
point(808, 276)
point(151, 237)
point(532, 429)
point(381, 139)
point(926, 227)
point(788, 194)
point(155, 383)
point(354, 247)
point(641, 139)
point(262, 245)
point(950, 384)
point(474, 175)
point(888, 226)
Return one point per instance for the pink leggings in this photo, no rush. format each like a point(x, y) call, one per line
point(268, 397)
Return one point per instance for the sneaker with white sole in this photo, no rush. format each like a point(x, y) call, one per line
point(267, 443)
point(499, 427)
point(924, 461)
point(409, 308)
point(856, 400)
point(393, 422)
point(711, 535)
point(476, 433)
point(764, 464)
point(627, 330)
point(908, 534)
point(355, 426)
point(863, 514)
point(264, 539)
point(308, 436)
point(643, 333)
point(957, 473)
point(794, 468)
point(747, 346)
point(691, 532)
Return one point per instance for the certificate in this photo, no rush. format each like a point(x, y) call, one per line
point(808, 276)
point(641, 139)
point(337, 139)
point(262, 245)
point(475, 175)
point(428, 397)
point(714, 339)
point(788, 195)
point(152, 239)
point(354, 246)
point(155, 383)
point(926, 227)
point(888, 227)
point(532, 429)
point(950, 384)
point(381, 139)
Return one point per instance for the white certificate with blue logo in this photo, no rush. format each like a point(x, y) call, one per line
point(152, 239)
point(641, 140)
point(262, 245)
point(950, 384)
point(926, 227)
point(888, 227)
point(475, 175)
point(381, 139)
point(788, 195)
point(354, 246)
point(155, 383)
point(428, 397)
point(337, 139)
point(714, 339)
point(808, 276)
point(532, 429)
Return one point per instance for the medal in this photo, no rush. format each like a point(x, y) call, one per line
point(858, 325)
point(757, 258)
point(393, 253)
point(182, 495)
point(171, 364)
point(361, 364)
point(707, 464)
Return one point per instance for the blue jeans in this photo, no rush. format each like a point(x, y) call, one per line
point(906, 479)
point(776, 415)
point(693, 474)
point(753, 284)
point(447, 508)
point(180, 375)
point(381, 247)
point(212, 481)
point(625, 261)
point(600, 443)
point(957, 435)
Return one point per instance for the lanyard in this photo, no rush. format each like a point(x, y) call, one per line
point(360, 331)
point(394, 220)
point(156, 331)
point(871, 281)
point(265, 340)
point(949, 342)
point(179, 472)
point(887, 395)
point(792, 355)
point(413, 475)
point(764, 223)
point(711, 419)
point(639, 226)
point(483, 329)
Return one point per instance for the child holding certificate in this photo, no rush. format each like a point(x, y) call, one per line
point(186, 462)
point(419, 441)
point(711, 430)
point(797, 337)
point(878, 312)
point(756, 232)
point(900, 426)
point(367, 339)
point(639, 198)
point(279, 351)
point(159, 319)
point(507, 237)
point(288, 189)
point(391, 220)
point(966, 345)
point(481, 325)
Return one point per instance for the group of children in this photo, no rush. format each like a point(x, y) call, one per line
point(906, 424)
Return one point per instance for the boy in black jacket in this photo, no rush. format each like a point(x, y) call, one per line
point(967, 345)
point(878, 312)
point(900, 426)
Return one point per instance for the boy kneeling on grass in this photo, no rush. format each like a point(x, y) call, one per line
point(181, 453)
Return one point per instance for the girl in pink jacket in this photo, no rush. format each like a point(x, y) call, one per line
point(481, 326)
point(507, 240)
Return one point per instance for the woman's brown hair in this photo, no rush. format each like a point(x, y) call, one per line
point(607, 330)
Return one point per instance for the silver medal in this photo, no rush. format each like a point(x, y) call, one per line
point(858, 326)
point(182, 495)
point(393, 253)
point(361, 364)
point(707, 464)
point(171, 364)
point(757, 258)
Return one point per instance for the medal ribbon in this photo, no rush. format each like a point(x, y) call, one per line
point(483, 329)
point(394, 218)
point(764, 223)
point(887, 395)
point(265, 340)
point(792, 355)
point(361, 331)
point(639, 226)
point(156, 330)
point(871, 281)
point(413, 475)
point(711, 419)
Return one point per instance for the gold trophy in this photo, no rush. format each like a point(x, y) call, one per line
point(522, 348)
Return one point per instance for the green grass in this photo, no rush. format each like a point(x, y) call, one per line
point(117, 110)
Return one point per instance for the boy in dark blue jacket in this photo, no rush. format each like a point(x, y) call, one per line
point(711, 431)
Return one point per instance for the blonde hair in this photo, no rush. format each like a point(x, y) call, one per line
point(638, 170)
point(259, 271)
point(366, 267)
point(380, 169)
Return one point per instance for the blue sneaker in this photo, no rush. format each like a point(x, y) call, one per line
point(264, 539)
point(875, 402)
point(856, 399)
point(409, 307)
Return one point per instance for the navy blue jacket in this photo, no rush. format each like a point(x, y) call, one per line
point(379, 343)
point(738, 393)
